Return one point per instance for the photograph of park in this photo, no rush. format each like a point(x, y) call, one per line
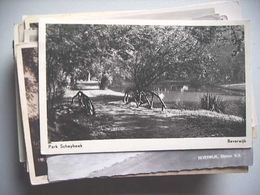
point(111, 81)
point(29, 56)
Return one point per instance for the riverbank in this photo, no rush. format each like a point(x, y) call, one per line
point(117, 120)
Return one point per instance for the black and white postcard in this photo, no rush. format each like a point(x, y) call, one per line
point(27, 69)
point(121, 85)
point(76, 166)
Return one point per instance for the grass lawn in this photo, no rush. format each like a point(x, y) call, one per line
point(114, 120)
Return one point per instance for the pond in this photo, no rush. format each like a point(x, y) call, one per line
point(174, 93)
point(190, 98)
point(195, 96)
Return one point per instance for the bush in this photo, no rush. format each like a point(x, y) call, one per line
point(196, 84)
point(213, 103)
point(105, 81)
point(242, 108)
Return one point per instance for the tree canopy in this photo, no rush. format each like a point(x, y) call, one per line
point(144, 54)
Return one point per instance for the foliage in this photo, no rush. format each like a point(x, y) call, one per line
point(242, 108)
point(30, 67)
point(213, 103)
point(143, 54)
point(30, 60)
point(105, 81)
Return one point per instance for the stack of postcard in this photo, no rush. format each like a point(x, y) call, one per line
point(135, 93)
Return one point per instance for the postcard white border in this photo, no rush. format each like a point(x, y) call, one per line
point(18, 33)
point(35, 180)
point(119, 145)
point(229, 8)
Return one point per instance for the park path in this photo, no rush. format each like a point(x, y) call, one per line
point(128, 120)
point(115, 119)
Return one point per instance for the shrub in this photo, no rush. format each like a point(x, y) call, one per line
point(213, 103)
point(242, 108)
point(105, 81)
point(196, 84)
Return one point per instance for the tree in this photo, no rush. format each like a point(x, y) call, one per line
point(30, 67)
point(143, 54)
